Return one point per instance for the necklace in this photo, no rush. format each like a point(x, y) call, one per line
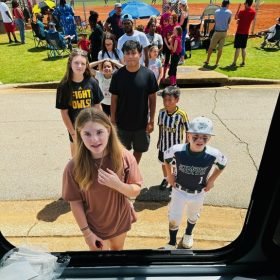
point(98, 166)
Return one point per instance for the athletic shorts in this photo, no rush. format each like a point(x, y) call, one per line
point(106, 109)
point(240, 41)
point(138, 140)
point(161, 156)
point(218, 39)
point(10, 26)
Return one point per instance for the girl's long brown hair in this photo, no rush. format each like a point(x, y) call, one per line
point(68, 76)
point(85, 168)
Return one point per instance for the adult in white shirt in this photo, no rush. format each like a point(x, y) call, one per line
point(134, 35)
point(8, 21)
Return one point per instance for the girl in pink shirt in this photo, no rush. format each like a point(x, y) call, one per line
point(175, 47)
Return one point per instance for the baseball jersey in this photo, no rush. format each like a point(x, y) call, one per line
point(192, 168)
point(172, 128)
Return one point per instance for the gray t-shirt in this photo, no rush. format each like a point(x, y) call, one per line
point(222, 19)
point(155, 40)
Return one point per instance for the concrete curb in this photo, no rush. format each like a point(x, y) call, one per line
point(181, 83)
point(251, 81)
point(196, 76)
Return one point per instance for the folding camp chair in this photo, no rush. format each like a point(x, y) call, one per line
point(81, 25)
point(194, 35)
point(57, 47)
point(39, 40)
point(208, 20)
point(273, 42)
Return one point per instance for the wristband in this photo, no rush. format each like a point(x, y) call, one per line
point(85, 228)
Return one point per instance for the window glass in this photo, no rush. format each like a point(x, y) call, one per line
point(35, 150)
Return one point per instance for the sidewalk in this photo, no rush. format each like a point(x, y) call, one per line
point(50, 224)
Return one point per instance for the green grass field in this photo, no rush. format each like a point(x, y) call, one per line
point(26, 64)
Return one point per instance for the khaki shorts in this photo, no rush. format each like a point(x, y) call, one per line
point(218, 39)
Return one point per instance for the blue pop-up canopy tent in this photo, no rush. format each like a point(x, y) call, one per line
point(138, 10)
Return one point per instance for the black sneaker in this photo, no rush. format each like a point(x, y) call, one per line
point(163, 184)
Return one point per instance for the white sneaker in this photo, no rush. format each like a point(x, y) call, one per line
point(187, 241)
point(169, 247)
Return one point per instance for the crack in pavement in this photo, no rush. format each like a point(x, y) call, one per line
point(28, 232)
point(230, 131)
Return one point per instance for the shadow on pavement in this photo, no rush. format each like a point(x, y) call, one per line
point(53, 210)
point(147, 205)
point(151, 198)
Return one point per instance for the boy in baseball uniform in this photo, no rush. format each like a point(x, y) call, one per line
point(196, 168)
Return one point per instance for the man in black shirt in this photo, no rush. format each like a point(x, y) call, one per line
point(133, 101)
point(113, 23)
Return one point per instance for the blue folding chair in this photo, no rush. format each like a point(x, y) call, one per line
point(56, 45)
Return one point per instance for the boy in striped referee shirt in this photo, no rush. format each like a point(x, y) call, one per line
point(173, 125)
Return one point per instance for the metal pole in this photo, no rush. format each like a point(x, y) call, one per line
point(84, 8)
point(255, 19)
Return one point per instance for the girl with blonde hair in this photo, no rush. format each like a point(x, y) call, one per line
point(98, 181)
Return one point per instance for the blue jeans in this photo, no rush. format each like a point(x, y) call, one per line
point(20, 24)
point(184, 42)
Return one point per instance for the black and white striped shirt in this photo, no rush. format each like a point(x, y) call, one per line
point(172, 127)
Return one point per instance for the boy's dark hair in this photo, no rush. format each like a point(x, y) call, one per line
point(171, 91)
point(131, 45)
point(249, 2)
point(225, 3)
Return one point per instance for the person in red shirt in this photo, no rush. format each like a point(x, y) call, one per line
point(84, 43)
point(244, 18)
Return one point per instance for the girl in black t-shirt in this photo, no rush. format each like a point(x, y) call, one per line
point(77, 90)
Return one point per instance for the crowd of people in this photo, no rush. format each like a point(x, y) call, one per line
point(107, 100)
point(168, 32)
point(109, 120)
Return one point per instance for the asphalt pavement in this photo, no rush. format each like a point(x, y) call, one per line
point(34, 150)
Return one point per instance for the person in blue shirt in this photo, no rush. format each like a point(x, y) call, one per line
point(65, 39)
point(222, 21)
point(65, 15)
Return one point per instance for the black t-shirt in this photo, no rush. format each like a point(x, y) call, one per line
point(84, 95)
point(133, 90)
point(116, 25)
